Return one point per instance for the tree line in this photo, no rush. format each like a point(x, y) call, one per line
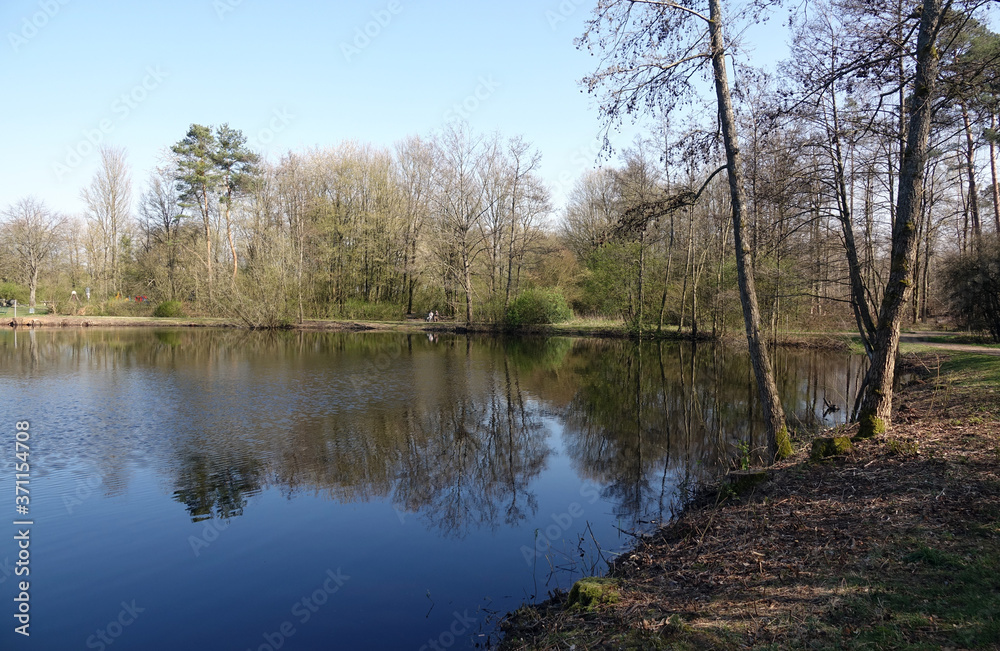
point(456, 223)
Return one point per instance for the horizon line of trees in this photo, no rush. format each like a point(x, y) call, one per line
point(459, 222)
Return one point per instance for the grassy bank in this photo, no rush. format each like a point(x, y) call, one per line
point(895, 544)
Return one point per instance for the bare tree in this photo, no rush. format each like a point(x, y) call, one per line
point(415, 170)
point(33, 235)
point(461, 200)
point(109, 205)
point(654, 49)
point(159, 222)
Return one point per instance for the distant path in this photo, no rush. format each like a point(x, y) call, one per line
point(922, 338)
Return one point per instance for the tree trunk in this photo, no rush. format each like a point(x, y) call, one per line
point(510, 241)
point(666, 275)
point(778, 442)
point(993, 172)
point(208, 245)
point(970, 168)
point(876, 407)
point(859, 301)
point(642, 278)
point(229, 236)
point(688, 261)
point(411, 260)
point(467, 286)
point(298, 272)
point(34, 286)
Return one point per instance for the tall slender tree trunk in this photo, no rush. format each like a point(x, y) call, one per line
point(467, 285)
point(688, 261)
point(717, 315)
point(970, 168)
point(298, 272)
point(510, 239)
point(666, 275)
point(993, 172)
point(411, 262)
point(876, 406)
point(859, 301)
point(208, 244)
point(229, 236)
point(642, 278)
point(778, 442)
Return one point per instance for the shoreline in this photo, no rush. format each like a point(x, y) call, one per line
point(894, 543)
point(817, 340)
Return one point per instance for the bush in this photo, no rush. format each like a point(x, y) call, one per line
point(14, 291)
point(974, 287)
point(169, 310)
point(255, 301)
point(537, 307)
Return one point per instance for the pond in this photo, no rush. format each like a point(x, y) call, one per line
point(221, 489)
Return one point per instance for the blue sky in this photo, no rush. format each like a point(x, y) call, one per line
point(289, 75)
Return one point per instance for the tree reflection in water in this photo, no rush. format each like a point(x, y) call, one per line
point(455, 429)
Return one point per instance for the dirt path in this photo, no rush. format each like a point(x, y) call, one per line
point(927, 339)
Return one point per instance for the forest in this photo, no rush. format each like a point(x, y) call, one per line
point(461, 222)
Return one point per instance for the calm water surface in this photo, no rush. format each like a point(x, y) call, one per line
point(202, 489)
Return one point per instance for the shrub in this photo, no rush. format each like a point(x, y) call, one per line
point(169, 310)
point(254, 300)
point(14, 291)
point(537, 307)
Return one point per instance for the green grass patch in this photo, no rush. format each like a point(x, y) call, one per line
point(22, 311)
point(931, 597)
point(972, 369)
point(854, 345)
point(971, 340)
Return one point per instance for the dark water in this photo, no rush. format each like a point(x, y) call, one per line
point(229, 490)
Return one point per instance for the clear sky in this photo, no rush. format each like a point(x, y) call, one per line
point(290, 75)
